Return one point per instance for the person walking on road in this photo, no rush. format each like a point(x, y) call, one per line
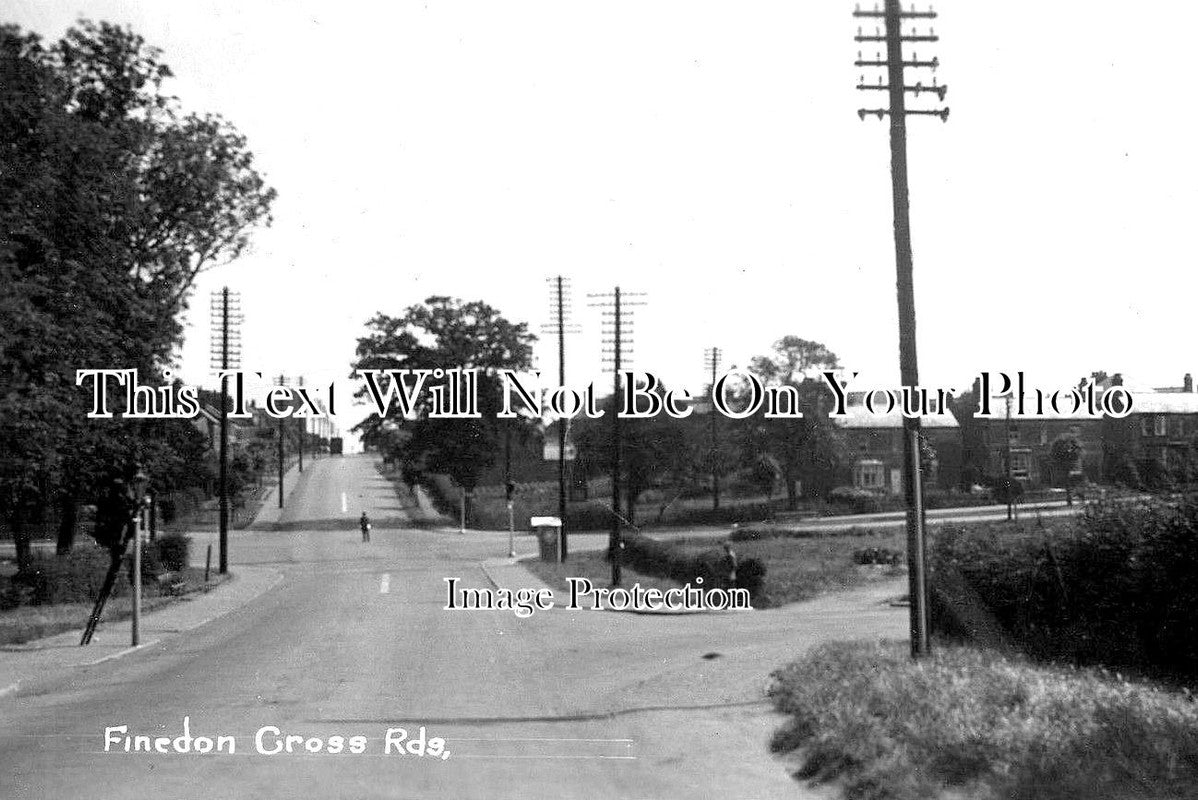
point(364, 523)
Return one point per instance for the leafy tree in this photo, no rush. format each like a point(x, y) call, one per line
point(1066, 453)
point(444, 333)
point(654, 452)
point(808, 449)
point(111, 202)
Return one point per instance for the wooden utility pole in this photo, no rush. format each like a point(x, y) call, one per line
point(618, 350)
point(558, 303)
point(712, 359)
point(282, 447)
point(896, 88)
point(225, 355)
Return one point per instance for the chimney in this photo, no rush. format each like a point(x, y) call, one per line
point(1187, 383)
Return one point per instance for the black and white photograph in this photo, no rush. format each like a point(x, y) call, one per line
point(530, 400)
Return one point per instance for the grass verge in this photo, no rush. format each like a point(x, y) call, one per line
point(801, 568)
point(29, 622)
point(970, 722)
point(796, 569)
point(593, 566)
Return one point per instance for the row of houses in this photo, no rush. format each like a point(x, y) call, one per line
point(1156, 439)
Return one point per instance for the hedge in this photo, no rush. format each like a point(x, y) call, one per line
point(685, 565)
point(1117, 587)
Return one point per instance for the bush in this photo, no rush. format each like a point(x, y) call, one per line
point(665, 560)
point(74, 578)
point(971, 723)
point(1116, 587)
point(877, 555)
point(173, 551)
point(861, 501)
point(151, 563)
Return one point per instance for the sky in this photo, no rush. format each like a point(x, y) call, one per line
point(709, 155)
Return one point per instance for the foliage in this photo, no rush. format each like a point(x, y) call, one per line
point(807, 449)
point(687, 565)
point(978, 724)
point(878, 555)
point(72, 579)
point(654, 453)
point(174, 551)
point(1117, 587)
point(112, 201)
point(443, 333)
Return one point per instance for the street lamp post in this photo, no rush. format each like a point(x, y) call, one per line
point(123, 511)
point(140, 482)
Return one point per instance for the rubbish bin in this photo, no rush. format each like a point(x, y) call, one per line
point(548, 531)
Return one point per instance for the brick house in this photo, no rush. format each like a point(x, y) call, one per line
point(1158, 437)
point(873, 447)
point(1030, 442)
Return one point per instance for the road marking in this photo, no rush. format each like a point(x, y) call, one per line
point(344, 503)
point(124, 652)
point(385, 583)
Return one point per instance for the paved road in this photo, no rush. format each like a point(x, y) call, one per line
point(354, 640)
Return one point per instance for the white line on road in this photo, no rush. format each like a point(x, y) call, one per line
point(344, 503)
point(385, 583)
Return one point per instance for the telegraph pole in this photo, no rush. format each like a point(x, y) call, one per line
point(303, 431)
point(713, 358)
point(558, 305)
point(896, 89)
point(614, 325)
point(225, 355)
point(282, 449)
point(1010, 489)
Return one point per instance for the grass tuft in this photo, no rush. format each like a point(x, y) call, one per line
point(889, 728)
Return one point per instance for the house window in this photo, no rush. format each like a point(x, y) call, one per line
point(1160, 422)
point(1178, 427)
point(869, 474)
point(1145, 427)
point(1075, 431)
point(1021, 465)
point(1013, 435)
point(1043, 434)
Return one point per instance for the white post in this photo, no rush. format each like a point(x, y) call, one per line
point(462, 517)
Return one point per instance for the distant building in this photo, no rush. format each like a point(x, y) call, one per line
point(873, 447)
point(1156, 437)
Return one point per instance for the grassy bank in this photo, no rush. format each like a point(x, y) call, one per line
point(594, 567)
point(796, 569)
point(27, 623)
point(799, 569)
point(972, 723)
point(58, 593)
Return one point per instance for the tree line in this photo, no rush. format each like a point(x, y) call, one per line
point(801, 454)
point(112, 200)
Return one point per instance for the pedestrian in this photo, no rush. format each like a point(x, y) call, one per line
point(731, 555)
point(364, 523)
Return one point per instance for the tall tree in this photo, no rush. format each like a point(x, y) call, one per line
point(1066, 454)
point(444, 333)
point(808, 448)
point(654, 452)
point(111, 202)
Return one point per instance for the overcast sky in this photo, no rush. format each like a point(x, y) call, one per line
point(710, 155)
